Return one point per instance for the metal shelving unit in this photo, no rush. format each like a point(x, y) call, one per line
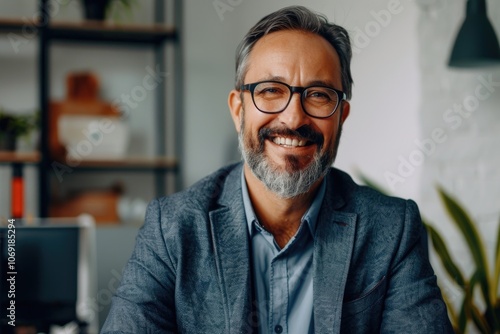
point(154, 36)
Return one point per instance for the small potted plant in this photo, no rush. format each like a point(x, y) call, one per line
point(98, 9)
point(13, 127)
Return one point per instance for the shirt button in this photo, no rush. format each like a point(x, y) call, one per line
point(278, 329)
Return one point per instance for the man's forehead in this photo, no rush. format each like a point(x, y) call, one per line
point(279, 55)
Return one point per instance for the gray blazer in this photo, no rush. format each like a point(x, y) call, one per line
point(190, 270)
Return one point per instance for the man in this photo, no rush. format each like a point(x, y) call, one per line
point(282, 243)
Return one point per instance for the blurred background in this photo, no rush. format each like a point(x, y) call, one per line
point(110, 115)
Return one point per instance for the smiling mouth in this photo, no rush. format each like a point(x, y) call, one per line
point(291, 142)
point(302, 137)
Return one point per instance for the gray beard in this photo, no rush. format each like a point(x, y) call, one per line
point(290, 182)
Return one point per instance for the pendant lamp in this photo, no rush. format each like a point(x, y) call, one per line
point(476, 44)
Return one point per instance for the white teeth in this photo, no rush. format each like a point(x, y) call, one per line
point(288, 142)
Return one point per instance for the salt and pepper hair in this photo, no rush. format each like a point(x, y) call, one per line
point(298, 18)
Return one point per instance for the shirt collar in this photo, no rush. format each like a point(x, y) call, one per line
point(311, 215)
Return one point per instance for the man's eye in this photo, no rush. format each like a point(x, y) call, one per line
point(270, 91)
point(318, 95)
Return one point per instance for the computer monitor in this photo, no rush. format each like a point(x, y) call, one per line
point(53, 275)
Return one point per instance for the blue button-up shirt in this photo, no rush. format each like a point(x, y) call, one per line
point(283, 278)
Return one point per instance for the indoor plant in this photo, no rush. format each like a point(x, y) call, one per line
point(13, 127)
point(99, 9)
point(481, 303)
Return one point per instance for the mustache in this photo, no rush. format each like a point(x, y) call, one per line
point(305, 133)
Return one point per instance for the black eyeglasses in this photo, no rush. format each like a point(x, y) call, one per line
point(272, 97)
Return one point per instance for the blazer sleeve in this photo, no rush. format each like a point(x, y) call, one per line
point(413, 302)
point(144, 301)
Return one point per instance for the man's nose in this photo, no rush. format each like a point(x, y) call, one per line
point(294, 115)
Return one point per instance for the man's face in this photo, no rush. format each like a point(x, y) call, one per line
point(291, 150)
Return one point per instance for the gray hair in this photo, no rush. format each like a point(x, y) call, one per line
point(298, 18)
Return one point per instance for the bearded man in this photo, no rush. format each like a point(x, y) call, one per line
point(283, 242)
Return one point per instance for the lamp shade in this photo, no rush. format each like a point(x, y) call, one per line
point(476, 44)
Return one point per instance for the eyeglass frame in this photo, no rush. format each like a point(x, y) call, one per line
point(294, 89)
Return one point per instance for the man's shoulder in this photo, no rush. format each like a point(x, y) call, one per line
point(348, 188)
point(383, 223)
point(363, 199)
point(204, 193)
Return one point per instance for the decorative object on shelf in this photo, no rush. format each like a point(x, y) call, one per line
point(476, 44)
point(13, 127)
point(98, 9)
point(17, 191)
point(131, 210)
point(85, 127)
point(100, 204)
point(93, 137)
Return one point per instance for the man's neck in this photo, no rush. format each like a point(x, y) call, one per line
point(280, 216)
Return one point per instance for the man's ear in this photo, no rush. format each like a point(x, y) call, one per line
point(346, 108)
point(235, 107)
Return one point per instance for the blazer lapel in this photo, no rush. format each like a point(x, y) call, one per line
point(333, 244)
point(231, 248)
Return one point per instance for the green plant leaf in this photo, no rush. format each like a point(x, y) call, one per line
point(463, 317)
point(496, 312)
point(473, 240)
point(451, 313)
point(442, 251)
point(479, 320)
point(496, 276)
point(466, 311)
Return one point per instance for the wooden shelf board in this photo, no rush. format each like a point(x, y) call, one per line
point(19, 157)
point(11, 25)
point(126, 163)
point(94, 31)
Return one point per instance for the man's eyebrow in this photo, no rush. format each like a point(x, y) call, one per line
point(273, 78)
point(310, 83)
point(321, 83)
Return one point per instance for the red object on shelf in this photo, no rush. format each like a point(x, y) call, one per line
point(17, 199)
